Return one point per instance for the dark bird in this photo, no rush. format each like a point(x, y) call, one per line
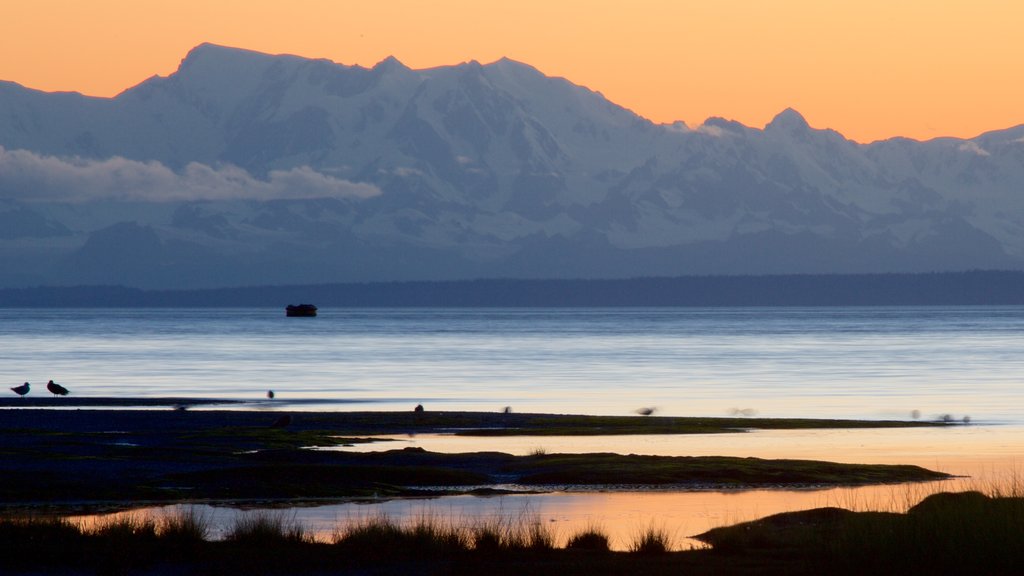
point(56, 389)
point(645, 411)
point(21, 390)
point(270, 394)
point(418, 408)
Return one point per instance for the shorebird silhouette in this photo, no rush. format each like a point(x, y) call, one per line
point(646, 411)
point(56, 389)
point(22, 390)
point(270, 394)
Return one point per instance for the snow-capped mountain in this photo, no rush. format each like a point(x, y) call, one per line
point(246, 168)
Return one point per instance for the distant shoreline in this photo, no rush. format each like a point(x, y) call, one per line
point(970, 288)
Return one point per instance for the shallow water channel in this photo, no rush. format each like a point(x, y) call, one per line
point(987, 456)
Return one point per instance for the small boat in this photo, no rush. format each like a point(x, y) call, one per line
point(292, 310)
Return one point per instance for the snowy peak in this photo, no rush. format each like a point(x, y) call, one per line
point(207, 55)
point(390, 64)
point(789, 120)
point(508, 65)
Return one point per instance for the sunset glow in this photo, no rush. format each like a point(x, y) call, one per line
point(870, 69)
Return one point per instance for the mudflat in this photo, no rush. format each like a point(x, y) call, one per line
point(104, 458)
point(101, 459)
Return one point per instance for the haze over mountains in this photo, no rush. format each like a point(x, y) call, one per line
point(249, 169)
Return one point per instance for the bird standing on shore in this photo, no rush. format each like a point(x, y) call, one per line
point(21, 390)
point(55, 389)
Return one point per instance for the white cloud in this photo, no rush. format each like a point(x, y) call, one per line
point(25, 175)
point(679, 126)
point(711, 130)
point(973, 148)
point(407, 172)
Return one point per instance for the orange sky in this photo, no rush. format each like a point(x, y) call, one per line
point(870, 69)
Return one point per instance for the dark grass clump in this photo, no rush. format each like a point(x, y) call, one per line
point(185, 527)
point(39, 541)
point(380, 537)
point(430, 534)
point(947, 533)
point(539, 537)
point(591, 539)
point(124, 541)
point(267, 528)
point(966, 532)
point(503, 535)
point(652, 540)
point(126, 527)
point(490, 537)
point(17, 532)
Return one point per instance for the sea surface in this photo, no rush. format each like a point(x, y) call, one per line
point(875, 363)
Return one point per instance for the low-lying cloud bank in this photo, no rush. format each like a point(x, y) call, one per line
point(28, 176)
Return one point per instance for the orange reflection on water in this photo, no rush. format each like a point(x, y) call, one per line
point(975, 451)
point(620, 515)
point(989, 455)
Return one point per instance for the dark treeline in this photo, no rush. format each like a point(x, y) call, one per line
point(947, 288)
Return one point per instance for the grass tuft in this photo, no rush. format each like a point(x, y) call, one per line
point(504, 534)
point(264, 527)
point(592, 538)
point(125, 527)
point(187, 526)
point(379, 536)
point(652, 540)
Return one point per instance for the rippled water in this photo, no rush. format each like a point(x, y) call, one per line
point(813, 362)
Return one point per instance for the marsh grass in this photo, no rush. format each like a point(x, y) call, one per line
point(980, 531)
point(977, 529)
point(267, 528)
point(651, 540)
point(540, 537)
point(185, 526)
point(492, 535)
point(32, 528)
point(592, 538)
point(39, 543)
point(126, 527)
point(432, 533)
point(18, 533)
point(426, 536)
point(965, 532)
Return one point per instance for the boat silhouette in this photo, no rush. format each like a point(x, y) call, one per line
point(300, 310)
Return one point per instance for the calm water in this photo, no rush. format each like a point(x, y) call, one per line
point(821, 362)
point(816, 362)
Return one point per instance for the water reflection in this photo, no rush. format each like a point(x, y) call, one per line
point(975, 451)
point(622, 515)
point(989, 455)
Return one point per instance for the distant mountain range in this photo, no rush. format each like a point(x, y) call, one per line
point(244, 168)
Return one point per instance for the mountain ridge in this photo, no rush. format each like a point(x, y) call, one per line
point(242, 166)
